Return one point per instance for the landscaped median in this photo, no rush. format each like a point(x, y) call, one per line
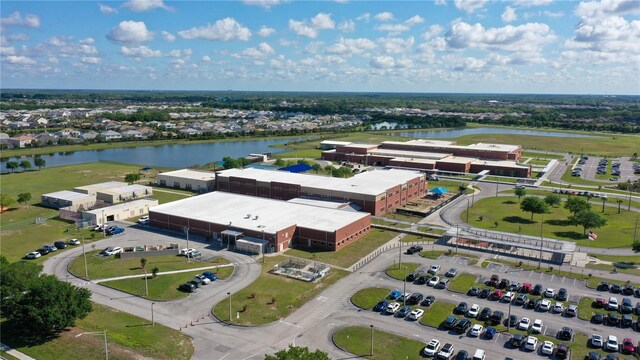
point(587, 308)
point(368, 298)
point(436, 313)
point(271, 297)
point(401, 270)
point(462, 283)
point(386, 346)
point(594, 281)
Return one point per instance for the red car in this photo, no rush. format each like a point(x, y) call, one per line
point(526, 288)
point(497, 294)
point(601, 303)
point(627, 346)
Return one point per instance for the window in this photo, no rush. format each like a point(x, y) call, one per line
point(163, 183)
point(176, 184)
point(187, 186)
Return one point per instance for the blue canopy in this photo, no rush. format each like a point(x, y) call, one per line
point(297, 168)
point(440, 191)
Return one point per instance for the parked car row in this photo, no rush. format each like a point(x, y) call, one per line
point(111, 250)
point(580, 193)
point(49, 248)
point(190, 252)
point(611, 343)
point(109, 230)
point(619, 289)
point(199, 280)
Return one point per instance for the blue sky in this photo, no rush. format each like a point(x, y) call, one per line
point(469, 46)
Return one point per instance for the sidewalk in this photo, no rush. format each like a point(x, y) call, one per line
point(161, 273)
point(15, 353)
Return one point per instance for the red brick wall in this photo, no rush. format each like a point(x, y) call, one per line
point(284, 191)
point(352, 232)
point(412, 165)
point(242, 186)
point(450, 166)
point(502, 171)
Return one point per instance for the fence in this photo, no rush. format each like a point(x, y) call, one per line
point(362, 262)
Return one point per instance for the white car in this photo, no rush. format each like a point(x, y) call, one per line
point(531, 343)
point(404, 297)
point(550, 293)
point(392, 308)
point(597, 341)
point(473, 311)
point(434, 281)
point(558, 307)
point(432, 348)
point(33, 255)
point(612, 343)
point(186, 251)
point(537, 326)
point(74, 242)
point(143, 220)
point(112, 250)
point(524, 324)
point(544, 305)
point(416, 314)
point(476, 330)
point(613, 303)
point(508, 297)
point(547, 348)
point(434, 269)
point(201, 279)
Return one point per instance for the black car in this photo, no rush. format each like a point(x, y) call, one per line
point(627, 321)
point(603, 286)
point(474, 291)
point(594, 355)
point(422, 279)
point(60, 244)
point(520, 299)
point(461, 308)
point(414, 275)
point(612, 357)
point(628, 290)
point(530, 304)
point(637, 308)
point(517, 340)
point(484, 293)
point(537, 290)
point(449, 322)
point(597, 318)
point(512, 321)
point(428, 301)
point(496, 317)
point(503, 283)
point(462, 355)
point(415, 298)
point(195, 283)
point(615, 289)
point(414, 249)
point(187, 287)
point(562, 294)
point(626, 307)
point(484, 314)
point(566, 333)
point(613, 319)
point(462, 326)
point(43, 251)
point(562, 351)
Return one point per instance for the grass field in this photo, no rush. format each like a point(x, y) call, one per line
point(112, 266)
point(436, 313)
point(165, 197)
point(386, 346)
point(400, 272)
point(432, 254)
point(368, 298)
point(164, 287)
point(271, 297)
point(587, 309)
point(462, 283)
point(506, 212)
point(350, 254)
point(539, 162)
point(624, 264)
point(128, 336)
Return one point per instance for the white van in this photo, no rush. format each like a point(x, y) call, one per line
point(479, 355)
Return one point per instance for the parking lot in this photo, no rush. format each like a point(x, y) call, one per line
point(588, 168)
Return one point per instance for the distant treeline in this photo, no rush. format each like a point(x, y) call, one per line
point(538, 120)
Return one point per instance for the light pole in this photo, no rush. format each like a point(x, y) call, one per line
point(509, 319)
point(399, 254)
point(457, 237)
point(497, 183)
point(629, 187)
point(541, 225)
point(103, 333)
point(86, 269)
point(371, 352)
point(229, 295)
point(635, 231)
point(153, 321)
point(404, 287)
point(603, 201)
point(146, 283)
point(186, 230)
point(263, 254)
point(467, 210)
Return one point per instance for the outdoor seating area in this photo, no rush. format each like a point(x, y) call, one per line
point(299, 269)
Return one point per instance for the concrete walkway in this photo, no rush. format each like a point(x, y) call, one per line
point(15, 353)
point(161, 273)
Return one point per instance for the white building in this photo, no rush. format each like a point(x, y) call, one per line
point(119, 212)
point(200, 181)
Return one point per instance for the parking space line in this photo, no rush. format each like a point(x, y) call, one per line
point(541, 275)
point(563, 279)
point(497, 337)
point(507, 269)
point(552, 276)
point(574, 282)
point(531, 273)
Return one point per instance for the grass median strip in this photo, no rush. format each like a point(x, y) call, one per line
point(594, 281)
point(462, 282)
point(401, 270)
point(431, 254)
point(386, 346)
point(271, 297)
point(368, 298)
point(436, 313)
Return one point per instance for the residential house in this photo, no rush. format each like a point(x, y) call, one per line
point(47, 139)
point(109, 135)
point(190, 132)
point(131, 134)
point(21, 141)
point(17, 125)
point(89, 135)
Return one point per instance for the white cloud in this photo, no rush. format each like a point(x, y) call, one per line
point(434, 30)
point(470, 6)
point(384, 16)
point(266, 4)
point(130, 32)
point(16, 19)
point(146, 5)
point(18, 37)
point(527, 38)
point(266, 31)
point(106, 9)
point(382, 62)
point(509, 14)
point(396, 45)
point(400, 27)
point(441, 2)
point(347, 26)
point(90, 60)
point(64, 46)
point(7, 50)
point(167, 36)
point(531, 3)
point(222, 30)
point(604, 8)
point(206, 58)
point(366, 17)
point(140, 52)
point(469, 64)
point(414, 20)
point(310, 29)
point(261, 51)
point(351, 46)
point(19, 60)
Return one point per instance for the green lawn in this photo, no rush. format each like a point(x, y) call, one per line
point(462, 282)
point(607, 267)
point(128, 337)
point(112, 266)
point(538, 162)
point(386, 346)
point(506, 212)
point(165, 197)
point(164, 287)
point(271, 297)
point(436, 313)
point(433, 254)
point(587, 309)
point(368, 298)
point(410, 238)
point(594, 281)
point(399, 271)
point(350, 254)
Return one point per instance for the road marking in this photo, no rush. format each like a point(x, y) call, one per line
point(541, 275)
point(563, 278)
point(290, 324)
point(322, 298)
point(225, 356)
point(574, 282)
point(531, 273)
point(497, 337)
point(552, 276)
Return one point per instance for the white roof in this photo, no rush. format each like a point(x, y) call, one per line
point(190, 174)
point(503, 163)
point(257, 214)
point(102, 186)
point(374, 182)
point(408, 154)
point(494, 147)
point(321, 203)
point(451, 145)
point(423, 142)
point(136, 204)
point(126, 189)
point(68, 195)
point(334, 142)
point(458, 160)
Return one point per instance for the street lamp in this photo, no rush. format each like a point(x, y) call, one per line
point(186, 230)
point(371, 352)
point(541, 237)
point(629, 187)
point(103, 333)
point(457, 237)
point(467, 210)
point(229, 295)
point(399, 254)
point(153, 321)
point(509, 319)
point(404, 287)
point(86, 269)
